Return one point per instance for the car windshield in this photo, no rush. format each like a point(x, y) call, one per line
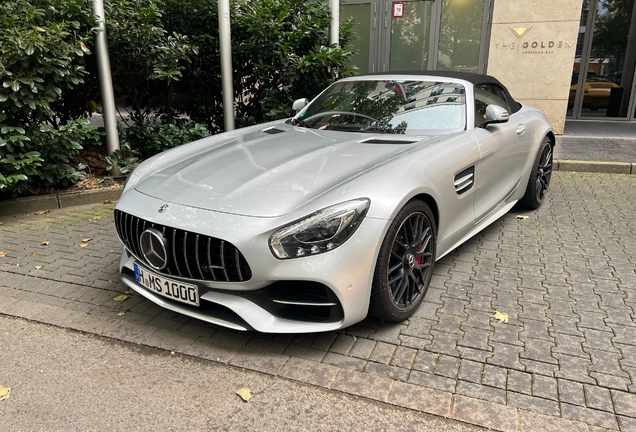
point(389, 106)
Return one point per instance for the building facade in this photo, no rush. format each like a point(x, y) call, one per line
point(574, 59)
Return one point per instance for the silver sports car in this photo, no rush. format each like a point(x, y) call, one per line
point(312, 223)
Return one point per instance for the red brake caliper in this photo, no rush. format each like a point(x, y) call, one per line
point(418, 260)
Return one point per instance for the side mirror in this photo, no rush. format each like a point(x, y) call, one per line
point(299, 104)
point(495, 114)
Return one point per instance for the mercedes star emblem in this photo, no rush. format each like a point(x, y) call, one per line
point(154, 247)
point(163, 208)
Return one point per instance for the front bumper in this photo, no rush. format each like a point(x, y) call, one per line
point(345, 273)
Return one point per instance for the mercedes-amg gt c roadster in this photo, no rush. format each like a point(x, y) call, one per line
point(312, 223)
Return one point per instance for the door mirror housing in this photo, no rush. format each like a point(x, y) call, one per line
point(495, 114)
point(299, 104)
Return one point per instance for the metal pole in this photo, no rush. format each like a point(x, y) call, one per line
point(334, 28)
point(105, 82)
point(225, 39)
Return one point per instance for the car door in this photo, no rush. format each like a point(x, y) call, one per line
point(503, 151)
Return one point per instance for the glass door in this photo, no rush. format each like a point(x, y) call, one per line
point(407, 35)
point(460, 35)
point(603, 74)
point(364, 18)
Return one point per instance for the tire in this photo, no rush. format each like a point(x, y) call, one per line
point(404, 268)
point(539, 181)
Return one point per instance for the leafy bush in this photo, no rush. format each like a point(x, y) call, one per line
point(42, 49)
point(165, 60)
point(145, 58)
point(158, 137)
point(280, 52)
point(125, 159)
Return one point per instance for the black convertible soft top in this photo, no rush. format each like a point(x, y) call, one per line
point(472, 78)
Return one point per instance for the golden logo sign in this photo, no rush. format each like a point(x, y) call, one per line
point(520, 31)
point(531, 46)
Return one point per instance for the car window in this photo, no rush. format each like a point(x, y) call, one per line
point(488, 94)
point(389, 106)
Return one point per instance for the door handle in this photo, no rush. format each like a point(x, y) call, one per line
point(521, 129)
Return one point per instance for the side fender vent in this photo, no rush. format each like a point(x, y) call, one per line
point(465, 180)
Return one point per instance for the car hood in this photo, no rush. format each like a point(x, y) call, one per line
point(268, 173)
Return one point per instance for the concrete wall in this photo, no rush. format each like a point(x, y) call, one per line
point(531, 52)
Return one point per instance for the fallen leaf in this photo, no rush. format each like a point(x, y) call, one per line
point(97, 217)
point(122, 297)
point(245, 394)
point(2, 254)
point(45, 243)
point(38, 267)
point(83, 245)
point(82, 46)
point(111, 251)
point(1, 223)
point(87, 239)
point(108, 202)
point(41, 371)
point(5, 392)
point(33, 254)
point(502, 317)
point(121, 314)
point(41, 212)
point(521, 217)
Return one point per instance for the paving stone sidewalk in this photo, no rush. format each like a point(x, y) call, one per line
point(565, 360)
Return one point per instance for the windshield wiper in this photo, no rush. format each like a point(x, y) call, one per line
point(299, 122)
point(384, 131)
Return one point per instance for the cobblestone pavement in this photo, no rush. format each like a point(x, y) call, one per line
point(565, 276)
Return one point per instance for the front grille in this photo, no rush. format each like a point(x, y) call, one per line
point(191, 255)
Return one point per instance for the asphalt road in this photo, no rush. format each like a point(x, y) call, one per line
point(66, 380)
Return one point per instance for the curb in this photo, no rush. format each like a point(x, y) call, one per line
point(595, 166)
point(59, 200)
point(95, 196)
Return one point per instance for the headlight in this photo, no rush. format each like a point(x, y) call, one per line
point(319, 232)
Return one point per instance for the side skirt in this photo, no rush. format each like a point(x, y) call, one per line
point(480, 226)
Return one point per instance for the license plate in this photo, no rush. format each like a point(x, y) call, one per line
point(166, 287)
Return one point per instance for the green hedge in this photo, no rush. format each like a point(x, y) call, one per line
point(165, 64)
point(43, 45)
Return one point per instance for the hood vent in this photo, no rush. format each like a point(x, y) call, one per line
point(273, 131)
point(386, 141)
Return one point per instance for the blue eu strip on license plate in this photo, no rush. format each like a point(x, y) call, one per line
point(169, 288)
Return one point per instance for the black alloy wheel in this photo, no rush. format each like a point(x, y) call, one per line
point(405, 264)
point(539, 181)
point(544, 173)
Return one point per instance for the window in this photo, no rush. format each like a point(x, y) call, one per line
point(488, 94)
point(398, 107)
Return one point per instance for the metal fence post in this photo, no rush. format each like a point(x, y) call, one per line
point(225, 39)
point(105, 82)
point(334, 28)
